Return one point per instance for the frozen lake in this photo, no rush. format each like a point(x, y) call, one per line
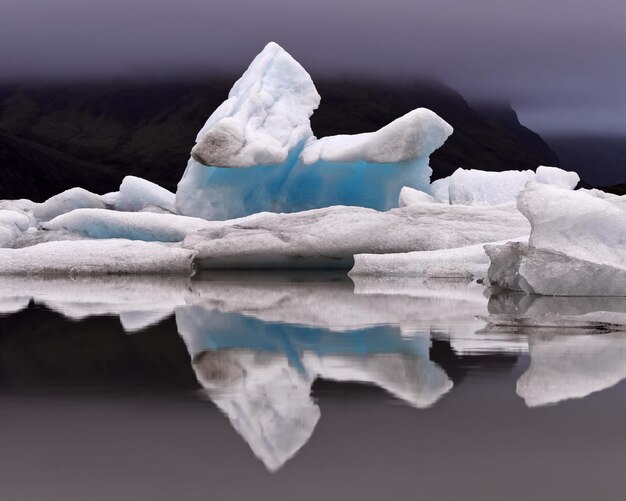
point(306, 386)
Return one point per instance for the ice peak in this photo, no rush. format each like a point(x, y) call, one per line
point(265, 116)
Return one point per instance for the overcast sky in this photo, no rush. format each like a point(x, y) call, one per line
point(561, 63)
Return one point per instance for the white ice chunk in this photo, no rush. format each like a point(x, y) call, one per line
point(74, 198)
point(12, 226)
point(265, 116)
point(150, 227)
point(577, 245)
point(414, 135)
point(409, 196)
point(462, 262)
point(477, 187)
point(136, 194)
point(97, 257)
point(557, 177)
point(110, 198)
point(441, 190)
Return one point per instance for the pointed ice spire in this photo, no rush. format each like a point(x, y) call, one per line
point(265, 116)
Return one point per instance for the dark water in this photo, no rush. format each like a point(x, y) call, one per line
point(303, 387)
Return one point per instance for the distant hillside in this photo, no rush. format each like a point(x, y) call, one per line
point(54, 137)
point(601, 161)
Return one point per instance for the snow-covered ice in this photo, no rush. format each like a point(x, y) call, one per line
point(257, 151)
point(577, 245)
point(96, 257)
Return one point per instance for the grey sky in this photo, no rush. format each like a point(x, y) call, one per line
point(562, 63)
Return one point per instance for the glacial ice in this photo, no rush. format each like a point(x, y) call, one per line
point(96, 257)
point(477, 187)
point(12, 226)
point(409, 196)
point(146, 226)
point(257, 151)
point(460, 262)
point(577, 246)
point(137, 194)
point(74, 198)
point(330, 237)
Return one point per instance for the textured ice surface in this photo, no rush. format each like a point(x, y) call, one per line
point(477, 187)
point(74, 198)
point(96, 257)
point(265, 116)
point(137, 194)
point(12, 226)
point(577, 245)
point(330, 237)
point(462, 262)
point(102, 223)
point(571, 366)
point(409, 196)
point(264, 126)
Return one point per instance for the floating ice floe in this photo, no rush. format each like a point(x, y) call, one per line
point(577, 245)
point(461, 262)
point(96, 257)
point(477, 187)
point(257, 151)
point(330, 237)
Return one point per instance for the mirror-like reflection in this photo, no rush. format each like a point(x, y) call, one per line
point(258, 342)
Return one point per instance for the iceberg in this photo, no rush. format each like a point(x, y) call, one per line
point(257, 151)
point(577, 246)
point(477, 187)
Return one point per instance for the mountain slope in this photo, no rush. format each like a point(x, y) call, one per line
point(111, 130)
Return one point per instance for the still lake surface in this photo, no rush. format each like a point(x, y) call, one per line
point(303, 386)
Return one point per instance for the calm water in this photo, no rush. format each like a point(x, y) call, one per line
point(304, 386)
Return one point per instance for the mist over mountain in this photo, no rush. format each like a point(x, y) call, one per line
point(53, 137)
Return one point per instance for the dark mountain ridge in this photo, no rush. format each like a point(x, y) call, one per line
point(53, 137)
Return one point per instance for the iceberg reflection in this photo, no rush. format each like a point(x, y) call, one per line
point(260, 374)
